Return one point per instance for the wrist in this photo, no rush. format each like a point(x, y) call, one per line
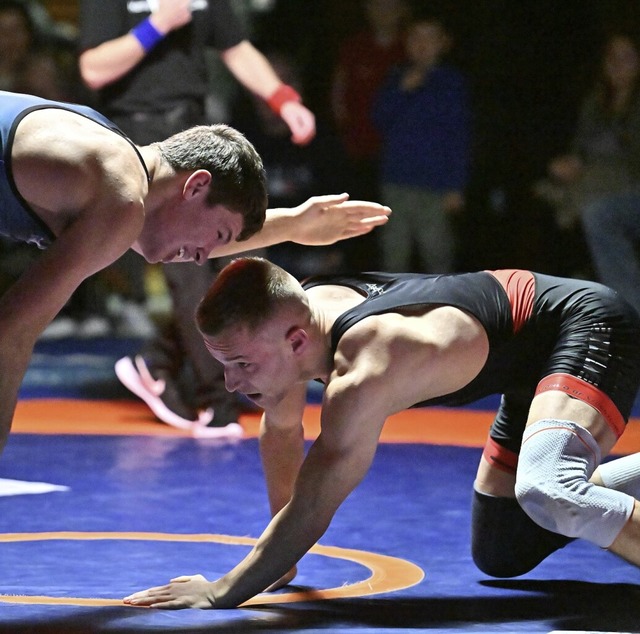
point(282, 95)
point(147, 34)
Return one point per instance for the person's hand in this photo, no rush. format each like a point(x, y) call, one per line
point(412, 79)
point(324, 220)
point(171, 15)
point(453, 202)
point(301, 121)
point(566, 168)
point(182, 592)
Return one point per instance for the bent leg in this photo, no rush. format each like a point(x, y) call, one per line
point(552, 484)
point(505, 541)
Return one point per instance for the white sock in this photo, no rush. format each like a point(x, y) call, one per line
point(622, 474)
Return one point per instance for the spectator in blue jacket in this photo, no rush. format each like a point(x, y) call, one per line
point(422, 112)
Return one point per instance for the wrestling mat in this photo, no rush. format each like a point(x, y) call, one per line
point(98, 500)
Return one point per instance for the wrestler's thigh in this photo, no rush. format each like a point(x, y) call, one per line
point(561, 406)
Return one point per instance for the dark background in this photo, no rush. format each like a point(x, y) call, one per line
point(529, 63)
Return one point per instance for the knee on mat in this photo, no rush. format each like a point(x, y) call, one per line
point(505, 542)
point(498, 562)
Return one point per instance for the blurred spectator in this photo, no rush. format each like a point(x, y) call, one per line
point(604, 156)
point(148, 62)
point(36, 54)
point(422, 112)
point(363, 62)
point(17, 39)
point(294, 173)
point(598, 182)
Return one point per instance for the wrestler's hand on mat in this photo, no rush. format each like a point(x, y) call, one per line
point(327, 219)
point(182, 592)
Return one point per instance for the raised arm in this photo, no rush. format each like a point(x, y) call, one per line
point(319, 220)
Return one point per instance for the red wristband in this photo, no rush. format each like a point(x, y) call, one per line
point(283, 94)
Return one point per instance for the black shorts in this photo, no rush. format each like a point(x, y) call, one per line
point(596, 356)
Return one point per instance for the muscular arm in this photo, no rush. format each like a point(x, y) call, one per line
point(113, 59)
point(282, 447)
point(282, 453)
point(107, 216)
point(38, 295)
point(334, 466)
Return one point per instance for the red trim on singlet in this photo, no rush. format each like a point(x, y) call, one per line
point(520, 288)
point(583, 391)
point(500, 457)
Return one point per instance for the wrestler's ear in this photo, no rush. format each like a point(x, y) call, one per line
point(298, 339)
point(197, 184)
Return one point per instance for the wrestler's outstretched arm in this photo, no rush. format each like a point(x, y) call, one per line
point(320, 220)
point(333, 467)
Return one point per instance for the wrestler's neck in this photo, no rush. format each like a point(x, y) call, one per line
point(157, 167)
point(322, 320)
point(165, 184)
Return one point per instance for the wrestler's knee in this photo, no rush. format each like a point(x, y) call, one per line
point(556, 462)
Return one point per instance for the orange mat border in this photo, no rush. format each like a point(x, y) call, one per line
point(461, 427)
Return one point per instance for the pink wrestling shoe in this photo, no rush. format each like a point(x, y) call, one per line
point(137, 378)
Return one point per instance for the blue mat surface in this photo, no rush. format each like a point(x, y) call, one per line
point(413, 505)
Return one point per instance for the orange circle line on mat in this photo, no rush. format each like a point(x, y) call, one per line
point(388, 574)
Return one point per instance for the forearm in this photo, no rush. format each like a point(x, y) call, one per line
point(115, 58)
point(110, 61)
point(281, 546)
point(279, 226)
point(252, 69)
point(282, 452)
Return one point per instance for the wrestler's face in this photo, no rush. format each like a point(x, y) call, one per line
point(184, 232)
point(261, 364)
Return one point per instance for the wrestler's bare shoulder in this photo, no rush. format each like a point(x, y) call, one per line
point(61, 134)
point(63, 163)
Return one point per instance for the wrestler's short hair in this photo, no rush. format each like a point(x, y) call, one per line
point(248, 292)
point(237, 173)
